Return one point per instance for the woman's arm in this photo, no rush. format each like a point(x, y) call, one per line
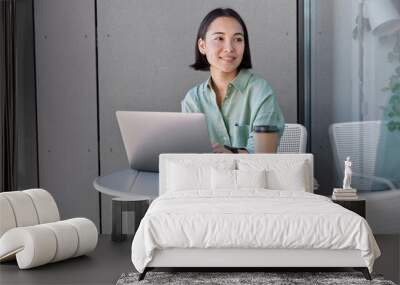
point(218, 148)
point(268, 113)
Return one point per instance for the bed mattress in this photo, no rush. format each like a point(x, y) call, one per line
point(250, 219)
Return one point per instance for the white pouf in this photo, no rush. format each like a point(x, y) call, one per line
point(31, 232)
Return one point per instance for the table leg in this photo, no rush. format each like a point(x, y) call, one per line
point(116, 234)
point(118, 207)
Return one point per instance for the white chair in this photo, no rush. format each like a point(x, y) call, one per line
point(31, 231)
point(359, 140)
point(294, 139)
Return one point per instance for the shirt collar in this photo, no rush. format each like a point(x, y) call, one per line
point(241, 79)
point(239, 82)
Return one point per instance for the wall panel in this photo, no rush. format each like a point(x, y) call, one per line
point(67, 105)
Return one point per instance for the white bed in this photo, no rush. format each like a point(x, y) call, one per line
point(211, 215)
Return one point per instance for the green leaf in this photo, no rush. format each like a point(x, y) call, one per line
point(391, 126)
point(395, 87)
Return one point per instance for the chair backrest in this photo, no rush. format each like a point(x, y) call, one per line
point(294, 139)
point(359, 140)
point(26, 208)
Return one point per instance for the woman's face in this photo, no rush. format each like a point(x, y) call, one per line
point(223, 44)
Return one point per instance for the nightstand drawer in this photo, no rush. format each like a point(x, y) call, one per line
point(357, 206)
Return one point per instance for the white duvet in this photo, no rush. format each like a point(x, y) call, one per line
point(250, 219)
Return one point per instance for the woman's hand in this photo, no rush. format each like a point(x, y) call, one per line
point(218, 148)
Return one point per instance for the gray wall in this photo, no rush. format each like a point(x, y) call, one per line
point(145, 48)
point(66, 102)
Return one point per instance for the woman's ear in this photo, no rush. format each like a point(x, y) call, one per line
point(202, 46)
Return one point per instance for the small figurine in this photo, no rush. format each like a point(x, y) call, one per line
point(347, 174)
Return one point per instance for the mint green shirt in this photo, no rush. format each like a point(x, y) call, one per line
point(249, 102)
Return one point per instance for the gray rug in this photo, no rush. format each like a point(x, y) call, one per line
point(225, 278)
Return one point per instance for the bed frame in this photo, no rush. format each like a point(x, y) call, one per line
point(242, 258)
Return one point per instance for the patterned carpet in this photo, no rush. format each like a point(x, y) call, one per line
point(273, 278)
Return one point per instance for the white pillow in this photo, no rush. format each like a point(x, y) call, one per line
point(251, 178)
point(193, 175)
point(282, 174)
point(293, 178)
point(223, 179)
point(236, 179)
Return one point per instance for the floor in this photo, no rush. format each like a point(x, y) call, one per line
point(110, 260)
point(102, 266)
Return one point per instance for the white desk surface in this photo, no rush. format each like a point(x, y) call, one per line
point(129, 183)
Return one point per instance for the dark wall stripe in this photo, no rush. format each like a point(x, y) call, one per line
point(303, 68)
point(98, 111)
point(300, 62)
point(8, 121)
point(35, 86)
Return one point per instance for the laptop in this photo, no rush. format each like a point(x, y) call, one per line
point(148, 134)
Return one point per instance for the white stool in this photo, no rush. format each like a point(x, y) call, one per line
point(31, 231)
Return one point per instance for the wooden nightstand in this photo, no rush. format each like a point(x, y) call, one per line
point(357, 206)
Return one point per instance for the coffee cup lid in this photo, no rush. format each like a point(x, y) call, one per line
point(265, 129)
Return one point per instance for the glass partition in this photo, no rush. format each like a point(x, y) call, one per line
point(354, 56)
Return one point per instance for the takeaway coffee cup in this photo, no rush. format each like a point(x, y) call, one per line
point(265, 139)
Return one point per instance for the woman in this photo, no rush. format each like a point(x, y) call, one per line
point(233, 99)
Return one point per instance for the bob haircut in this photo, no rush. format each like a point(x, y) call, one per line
point(201, 62)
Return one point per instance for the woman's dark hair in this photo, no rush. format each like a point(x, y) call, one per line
point(201, 62)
